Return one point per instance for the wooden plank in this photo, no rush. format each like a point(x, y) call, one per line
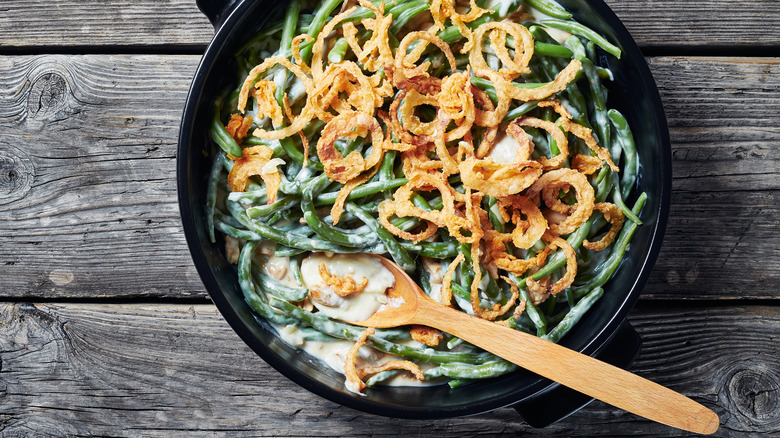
point(87, 180)
point(724, 228)
point(710, 25)
point(156, 370)
point(659, 25)
point(75, 23)
point(89, 201)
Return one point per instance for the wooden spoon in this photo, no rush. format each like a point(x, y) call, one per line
point(582, 373)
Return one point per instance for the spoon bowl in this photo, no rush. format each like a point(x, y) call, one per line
point(408, 304)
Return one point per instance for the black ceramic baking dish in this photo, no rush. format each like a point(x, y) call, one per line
point(604, 332)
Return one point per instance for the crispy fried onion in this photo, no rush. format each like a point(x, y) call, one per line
point(300, 121)
point(587, 164)
point(614, 215)
point(355, 376)
point(559, 179)
point(555, 132)
point(449, 216)
point(351, 125)
point(586, 134)
point(446, 285)
point(238, 127)
point(257, 160)
point(496, 179)
point(346, 80)
point(375, 53)
point(406, 76)
point(443, 9)
point(426, 335)
point(346, 189)
point(319, 43)
point(296, 51)
point(342, 286)
point(527, 230)
point(524, 48)
point(541, 288)
point(559, 83)
point(497, 309)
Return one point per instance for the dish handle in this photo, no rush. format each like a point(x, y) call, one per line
point(556, 402)
point(216, 10)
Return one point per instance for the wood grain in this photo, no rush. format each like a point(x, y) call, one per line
point(87, 177)
point(724, 227)
point(657, 25)
point(95, 23)
point(154, 369)
point(88, 192)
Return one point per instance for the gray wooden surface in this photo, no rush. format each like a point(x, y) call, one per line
point(88, 201)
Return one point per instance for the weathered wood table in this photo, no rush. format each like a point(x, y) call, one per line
point(106, 329)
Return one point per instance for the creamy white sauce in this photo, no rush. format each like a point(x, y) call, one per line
point(276, 267)
point(333, 353)
point(436, 271)
point(355, 307)
point(504, 150)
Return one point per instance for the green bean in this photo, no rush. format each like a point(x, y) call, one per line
point(482, 371)
point(338, 51)
point(360, 192)
point(537, 317)
point(236, 233)
point(520, 110)
point(598, 99)
point(495, 220)
point(555, 50)
point(584, 31)
point(322, 14)
point(251, 196)
point(288, 293)
point(626, 140)
point(604, 187)
point(435, 250)
point(248, 287)
point(280, 78)
point(288, 33)
point(346, 331)
point(381, 377)
point(267, 210)
point(551, 8)
point(363, 12)
point(228, 220)
point(221, 137)
point(574, 315)
point(322, 228)
point(310, 334)
point(286, 251)
point(464, 294)
point(286, 239)
point(405, 12)
point(211, 195)
point(617, 198)
point(397, 252)
point(608, 268)
point(295, 267)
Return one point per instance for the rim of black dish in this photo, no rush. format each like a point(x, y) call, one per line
point(194, 104)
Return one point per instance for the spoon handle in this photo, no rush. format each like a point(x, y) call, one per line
point(582, 373)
